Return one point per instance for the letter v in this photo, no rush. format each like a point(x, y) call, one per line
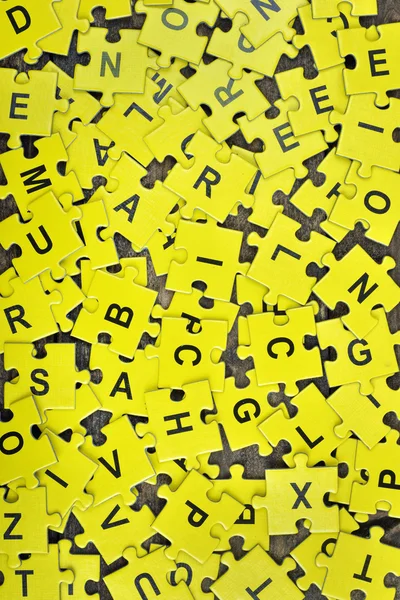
point(114, 470)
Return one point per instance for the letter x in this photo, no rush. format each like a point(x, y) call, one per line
point(301, 495)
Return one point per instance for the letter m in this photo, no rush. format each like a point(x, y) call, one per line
point(32, 180)
point(362, 283)
point(260, 5)
point(107, 62)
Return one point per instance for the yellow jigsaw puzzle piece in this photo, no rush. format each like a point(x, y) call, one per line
point(86, 567)
point(118, 67)
point(193, 573)
point(346, 458)
point(185, 357)
point(45, 240)
point(323, 9)
point(298, 493)
point(61, 420)
point(359, 359)
point(72, 297)
point(281, 148)
point(279, 351)
point(59, 42)
point(172, 30)
point(115, 9)
point(27, 103)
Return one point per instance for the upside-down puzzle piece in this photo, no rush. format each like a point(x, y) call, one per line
point(193, 573)
point(362, 284)
point(316, 99)
point(121, 308)
point(72, 296)
point(359, 360)
point(142, 573)
point(86, 403)
point(185, 356)
point(177, 424)
point(24, 523)
point(59, 42)
point(311, 431)
point(189, 516)
point(56, 239)
point(380, 490)
point(254, 573)
point(215, 183)
point(51, 380)
point(29, 178)
point(118, 67)
point(264, 19)
point(86, 567)
point(212, 256)
point(115, 9)
point(26, 313)
point(172, 30)
point(252, 525)
point(281, 148)
point(82, 105)
point(233, 47)
point(320, 35)
point(241, 410)
point(65, 481)
point(298, 493)
point(324, 9)
point(112, 526)
point(363, 415)
point(367, 133)
point(211, 85)
point(133, 210)
point(372, 204)
point(346, 457)
point(122, 460)
point(27, 103)
point(282, 259)
point(24, 26)
point(279, 351)
point(139, 263)
point(124, 383)
point(359, 563)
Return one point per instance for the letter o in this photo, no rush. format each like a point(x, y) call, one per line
point(374, 209)
point(174, 11)
point(14, 450)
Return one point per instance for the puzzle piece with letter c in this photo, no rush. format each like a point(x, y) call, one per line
point(298, 493)
point(118, 67)
point(185, 356)
point(226, 97)
point(177, 426)
point(193, 573)
point(190, 515)
point(279, 351)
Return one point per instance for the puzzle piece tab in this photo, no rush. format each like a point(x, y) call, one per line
point(115, 9)
point(59, 42)
point(323, 9)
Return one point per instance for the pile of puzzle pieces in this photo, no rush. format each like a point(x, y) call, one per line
point(161, 312)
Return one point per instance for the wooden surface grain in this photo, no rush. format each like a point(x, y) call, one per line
point(280, 546)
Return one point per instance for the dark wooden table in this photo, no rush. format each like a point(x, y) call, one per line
point(280, 546)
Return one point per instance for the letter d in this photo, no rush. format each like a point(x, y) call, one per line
point(19, 9)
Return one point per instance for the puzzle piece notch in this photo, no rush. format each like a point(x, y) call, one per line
point(324, 9)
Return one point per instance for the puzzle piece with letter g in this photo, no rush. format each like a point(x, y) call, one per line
point(172, 30)
point(314, 436)
point(279, 351)
point(360, 563)
point(185, 356)
point(118, 67)
point(367, 133)
point(281, 148)
point(124, 383)
point(47, 238)
point(119, 307)
point(264, 20)
point(282, 259)
point(112, 526)
point(359, 360)
point(362, 284)
point(177, 426)
point(41, 377)
point(298, 493)
point(215, 183)
point(122, 460)
point(149, 572)
point(29, 178)
point(26, 314)
point(24, 523)
point(363, 415)
point(27, 103)
point(226, 97)
point(241, 410)
point(255, 574)
point(189, 516)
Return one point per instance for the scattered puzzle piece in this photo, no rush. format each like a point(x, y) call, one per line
point(193, 573)
point(86, 403)
point(114, 8)
point(86, 567)
point(59, 42)
point(323, 9)
point(71, 295)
